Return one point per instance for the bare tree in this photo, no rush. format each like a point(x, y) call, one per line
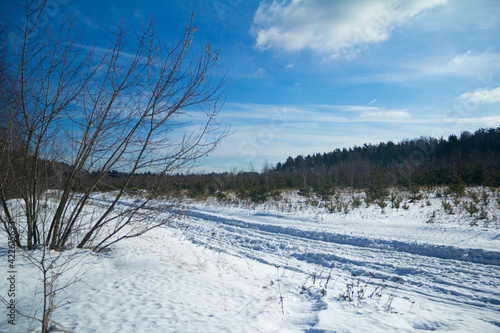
point(82, 111)
point(71, 113)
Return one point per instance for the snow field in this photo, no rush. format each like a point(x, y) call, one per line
point(236, 267)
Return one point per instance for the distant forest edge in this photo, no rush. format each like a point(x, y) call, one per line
point(465, 160)
point(471, 158)
point(456, 162)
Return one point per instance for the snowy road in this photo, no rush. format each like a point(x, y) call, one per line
point(450, 268)
point(455, 276)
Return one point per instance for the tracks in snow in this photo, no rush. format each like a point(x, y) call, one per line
point(429, 250)
point(450, 274)
point(447, 274)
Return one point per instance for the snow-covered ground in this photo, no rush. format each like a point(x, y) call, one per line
point(286, 266)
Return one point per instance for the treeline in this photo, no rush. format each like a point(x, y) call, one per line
point(466, 160)
point(474, 158)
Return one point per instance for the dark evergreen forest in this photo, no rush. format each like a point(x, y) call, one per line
point(472, 158)
point(466, 160)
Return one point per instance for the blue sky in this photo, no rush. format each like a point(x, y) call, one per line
point(307, 77)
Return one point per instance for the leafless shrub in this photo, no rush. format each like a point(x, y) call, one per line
point(80, 112)
point(73, 113)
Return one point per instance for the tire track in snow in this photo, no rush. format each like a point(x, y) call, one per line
point(471, 276)
point(429, 250)
point(460, 276)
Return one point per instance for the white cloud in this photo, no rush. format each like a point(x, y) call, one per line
point(482, 95)
point(480, 66)
point(461, 58)
point(357, 108)
point(338, 28)
point(465, 64)
point(386, 116)
point(259, 73)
